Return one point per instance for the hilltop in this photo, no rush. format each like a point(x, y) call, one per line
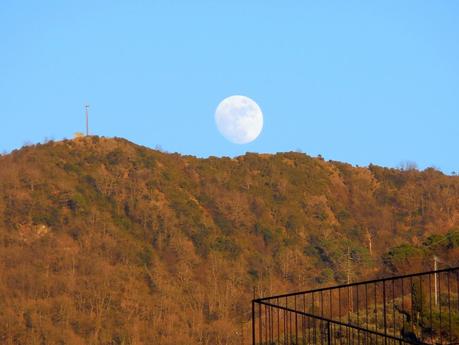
point(106, 242)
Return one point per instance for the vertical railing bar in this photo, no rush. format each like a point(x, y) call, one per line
point(308, 329)
point(349, 305)
point(366, 305)
point(403, 302)
point(357, 298)
point(260, 330)
point(449, 307)
point(284, 333)
point(287, 318)
point(353, 330)
point(303, 320)
point(278, 322)
point(290, 332)
point(422, 300)
point(253, 322)
point(430, 307)
point(330, 302)
point(348, 334)
point(296, 323)
point(439, 305)
point(271, 324)
point(332, 329)
point(457, 289)
point(349, 308)
point(358, 312)
point(314, 334)
point(412, 306)
point(384, 310)
point(339, 315)
point(303, 329)
point(322, 315)
point(375, 311)
point(268, 324)
point(366, 312)
point(393, 307)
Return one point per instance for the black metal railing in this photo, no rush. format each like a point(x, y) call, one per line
point(421, 308)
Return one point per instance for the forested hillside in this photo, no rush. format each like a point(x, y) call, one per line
point(106, 242)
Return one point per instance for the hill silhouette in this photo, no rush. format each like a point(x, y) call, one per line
point(106, 242)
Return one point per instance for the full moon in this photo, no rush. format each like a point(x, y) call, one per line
point(239, 119)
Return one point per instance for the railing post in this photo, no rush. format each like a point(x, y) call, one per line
point(384, 311)
point(253, 322)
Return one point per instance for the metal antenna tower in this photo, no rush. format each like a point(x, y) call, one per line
point(87, 118)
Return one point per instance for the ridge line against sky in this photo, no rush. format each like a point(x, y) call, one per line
point(353, 81)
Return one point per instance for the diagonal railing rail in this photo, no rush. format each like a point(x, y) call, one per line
point(421, 308)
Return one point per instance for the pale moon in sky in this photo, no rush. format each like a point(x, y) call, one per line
point(239, 119)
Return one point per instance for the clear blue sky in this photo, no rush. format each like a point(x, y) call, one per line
point(357, 81)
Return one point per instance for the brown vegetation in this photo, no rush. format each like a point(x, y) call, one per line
point(106, 242)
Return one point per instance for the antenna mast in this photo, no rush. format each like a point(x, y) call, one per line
point(87, 118)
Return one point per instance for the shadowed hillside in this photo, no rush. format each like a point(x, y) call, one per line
point(106, 242)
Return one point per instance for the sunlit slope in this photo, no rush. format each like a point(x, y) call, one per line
point(107, 242)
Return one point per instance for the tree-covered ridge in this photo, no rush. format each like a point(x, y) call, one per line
point(107, 242)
